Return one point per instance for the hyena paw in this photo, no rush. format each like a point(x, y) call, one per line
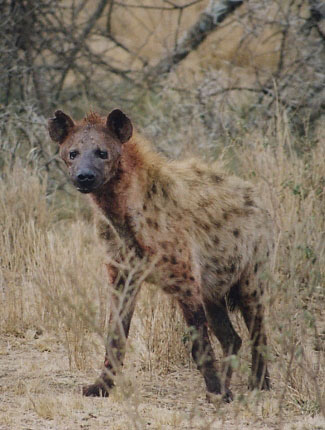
point(227, 397)
point(215, 398)
point(99, 389)
point(260, 385)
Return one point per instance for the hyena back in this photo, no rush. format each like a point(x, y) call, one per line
point(204, 233)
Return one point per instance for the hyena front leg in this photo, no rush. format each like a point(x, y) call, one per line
point(202, 351)
point(123, 304)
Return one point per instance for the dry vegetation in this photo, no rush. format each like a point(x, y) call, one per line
point(53, 292)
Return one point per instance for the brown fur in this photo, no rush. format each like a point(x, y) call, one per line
point(204, 233)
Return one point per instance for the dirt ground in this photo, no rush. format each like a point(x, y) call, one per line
point(38, 391)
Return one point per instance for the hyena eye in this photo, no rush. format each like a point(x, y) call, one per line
point(101, 154)
point(73, 154)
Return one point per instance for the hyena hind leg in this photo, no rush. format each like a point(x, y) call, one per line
point(220, 324)
point(202, 351)
point(253, 313)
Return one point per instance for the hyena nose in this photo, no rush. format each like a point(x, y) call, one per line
point(86, 178)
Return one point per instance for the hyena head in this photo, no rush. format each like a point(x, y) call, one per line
point(91, 149)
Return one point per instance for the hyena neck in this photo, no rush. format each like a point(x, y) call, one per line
point(109, 201)
point(122, 197)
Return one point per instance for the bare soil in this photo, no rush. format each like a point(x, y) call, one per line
point(39, 391)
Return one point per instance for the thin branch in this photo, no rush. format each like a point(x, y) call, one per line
point(172, 6)
point(136, 6)
point(90, 24)
point(122, 46)
point(184, 6)
point(284, 37)
point(109, 18)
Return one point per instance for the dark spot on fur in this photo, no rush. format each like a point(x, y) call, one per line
point(164, 193)
point(149, 222)
point(172, 276)
point(225, 215)
point(156, 225)
point(208, 202)
point(105, 234)
point(144, 207)
point(256, 268)
point(239, 211)
point(188, 293)
point(165, 258)
point(219, 271)
point(268, 253)
point(217, 224)
point(232, 268)
point(221, 282)
point(173, 260)
point(255, 249)
point(236, 232)
point(247, 282)
point(154, 188)
point(191, 278)
point(254, 294)
point(248, 200)
point(149, 195)
point(216, 240)
point(216, 178)
point(202, 224)
point(176, 289)
point(184, 275)
point(214, 261)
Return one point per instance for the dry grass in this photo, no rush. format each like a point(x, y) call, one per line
point(54, 302)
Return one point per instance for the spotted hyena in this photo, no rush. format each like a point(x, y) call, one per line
point(204, 234)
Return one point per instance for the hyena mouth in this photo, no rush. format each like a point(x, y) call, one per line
point(85, 190)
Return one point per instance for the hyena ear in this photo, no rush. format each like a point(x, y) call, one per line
point(59, 126)
point(120, 125)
